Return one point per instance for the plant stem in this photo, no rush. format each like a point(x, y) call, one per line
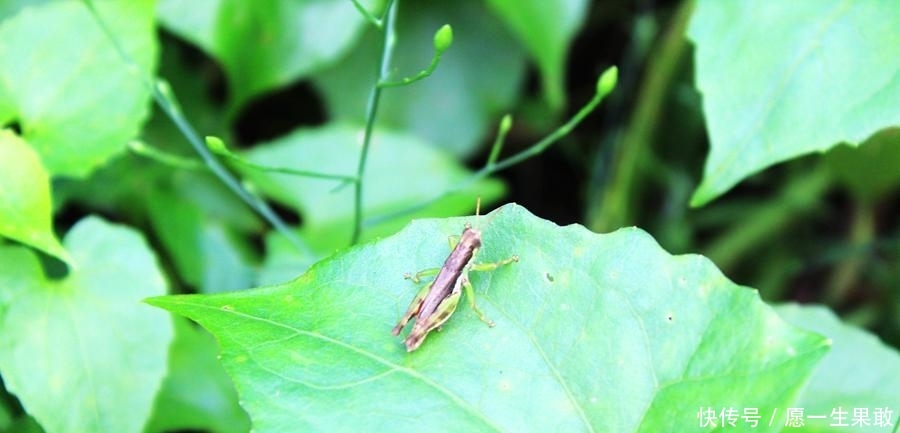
point(801, 195)
point(862, 234)
point(371, 112)
point(367, 15)
point(610, 195)
point(169, 105)
point(491, 167)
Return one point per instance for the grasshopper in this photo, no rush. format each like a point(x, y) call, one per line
point(437, 301)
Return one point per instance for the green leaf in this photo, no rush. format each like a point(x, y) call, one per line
point(76, 102)
point(283, 261)
point(265, 44)
point(25, 424)
point(11, 7)
point(25, 197)
point(593, 333)
point(402, 171)
point(476, 80)
point(545, 28)
point(784, 79)
point(196, 394)
point(199, 224)
point(870, 171)
point(82, 353)
point(859, 372)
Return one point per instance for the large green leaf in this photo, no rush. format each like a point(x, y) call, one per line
point(76, 102)
point(401, 171)
point(545, 28)
point(82, 353)
point(783, 79)
point(25, 197)
point(476, 80)
point(265, 44)
point(860, 372)
point(593, 333)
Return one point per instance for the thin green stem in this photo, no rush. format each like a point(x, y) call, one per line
point(141, 148)
point(612, 188)
point(422, 74)
point(371, 112)
point(798, 197)
point(367, 15)
point(502, 130)
point(166, 100)
point(862, 235)
point(217, 146)
point(443, 39)
point(534, 150)
point(554, 136)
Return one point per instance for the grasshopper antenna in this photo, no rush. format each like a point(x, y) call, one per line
point(478, 213)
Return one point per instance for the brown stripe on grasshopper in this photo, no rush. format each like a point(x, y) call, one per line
point(437, 301)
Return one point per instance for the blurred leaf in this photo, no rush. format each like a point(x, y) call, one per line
point(477, 79)
point(869, 171)
point(75, 100)
point(82, 353)
point(784, 79)
point(194, 84)
point(283, 261)
point(402, 171)
point(5, 417)
point(266, 44)
point(545, 28)
point(199, 223)
point(859, 372)
point(11, 7)
point(25, 424)
point(594, 332)
point(196, 394)
point(25, 197)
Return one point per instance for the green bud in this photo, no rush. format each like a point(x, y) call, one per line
point(215, 144)
point(505, 124)
point(137, 145)
point(607, 81)
point(443, 38)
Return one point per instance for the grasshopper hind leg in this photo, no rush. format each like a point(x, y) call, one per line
point(412, 310)
point(425, 325)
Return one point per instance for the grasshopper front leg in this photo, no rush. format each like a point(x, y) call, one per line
point(417, 277)
point(480, 267)
point(470, 291)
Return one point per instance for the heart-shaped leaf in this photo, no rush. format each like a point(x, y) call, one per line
point(545, 28)
point(784, 79)
point(593, 333)
point(76, 102)
point(82, 353)
point(263, 45)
